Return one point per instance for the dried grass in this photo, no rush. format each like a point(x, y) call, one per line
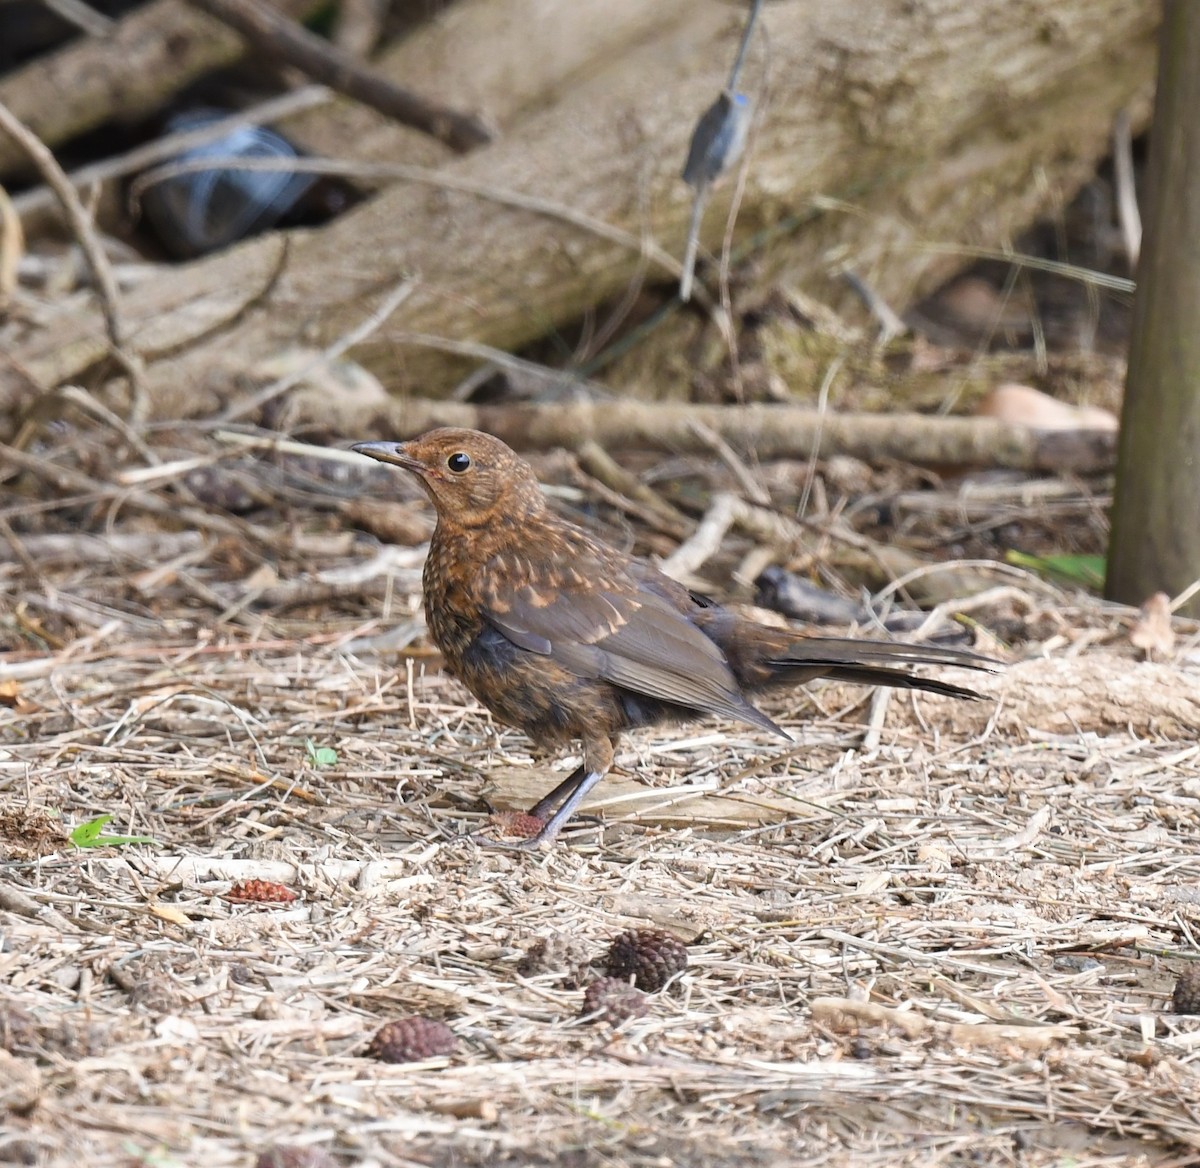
point(956, 946)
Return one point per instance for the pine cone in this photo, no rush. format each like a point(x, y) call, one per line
point(412, 1039)
point(613, 1000)
point(517, 823)
point(260, 892)
point(651, 956)
point(1186, 999)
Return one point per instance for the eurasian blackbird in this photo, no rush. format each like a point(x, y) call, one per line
point(567, 638)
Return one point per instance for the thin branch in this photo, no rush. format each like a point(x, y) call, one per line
point(83, 16)
point(85, 234)
point(397, 296)
point(1127, 203)
point(41, 198)
point(387, 172)
point(275, 35)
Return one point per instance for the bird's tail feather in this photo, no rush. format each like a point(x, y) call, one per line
point(797, 659)
point(851, 651)
point(875, 675)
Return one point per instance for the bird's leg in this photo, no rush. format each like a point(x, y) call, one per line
point(559, 819)
point(548, 803)
point(597, 761)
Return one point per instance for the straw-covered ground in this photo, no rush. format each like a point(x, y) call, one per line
point(930, 932)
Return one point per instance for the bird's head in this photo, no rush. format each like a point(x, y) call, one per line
point(472, 478)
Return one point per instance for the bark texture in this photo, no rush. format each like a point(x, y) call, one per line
point(884, 126)
point(1156, 507)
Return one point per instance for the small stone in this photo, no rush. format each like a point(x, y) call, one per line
point(409, 1040)
point(613, 1000)
point(650, 956)
point(860, 1048)
point(18, 1150)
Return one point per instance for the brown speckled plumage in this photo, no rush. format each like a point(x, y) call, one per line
point(567, 638)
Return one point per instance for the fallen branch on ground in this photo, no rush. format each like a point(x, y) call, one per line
point(275, 35)
point(770, 430)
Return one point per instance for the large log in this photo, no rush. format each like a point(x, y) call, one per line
point(937, 121)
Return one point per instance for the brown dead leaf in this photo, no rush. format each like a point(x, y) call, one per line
point(1153, 633)
point(169, 913)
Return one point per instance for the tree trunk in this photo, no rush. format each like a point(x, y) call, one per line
point(930, 122)
point(1156, 507)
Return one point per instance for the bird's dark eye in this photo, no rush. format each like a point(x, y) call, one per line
point(459, 462)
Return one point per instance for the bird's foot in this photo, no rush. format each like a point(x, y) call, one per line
point(525, 831)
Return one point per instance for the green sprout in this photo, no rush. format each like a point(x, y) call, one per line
point(319, 756)
point(88, 835)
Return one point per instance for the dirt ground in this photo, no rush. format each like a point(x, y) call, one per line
point(931, 932)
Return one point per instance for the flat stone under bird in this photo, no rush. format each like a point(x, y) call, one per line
point(567, 638)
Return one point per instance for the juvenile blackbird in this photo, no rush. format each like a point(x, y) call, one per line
point(567, 638)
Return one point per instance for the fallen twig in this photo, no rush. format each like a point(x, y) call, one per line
point(844, 1015)
point(279, 37)
point(1127, 205)
point(629, 489)
point(770, 430)
point(15, 901)
point(939, 582)
point(397, 296)
point(83, 16)
point(85, 235)
point(29, 204)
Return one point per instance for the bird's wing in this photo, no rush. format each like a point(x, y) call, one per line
point(623, 633)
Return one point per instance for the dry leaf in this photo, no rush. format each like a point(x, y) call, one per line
point(1153, 633)
point(166, 912)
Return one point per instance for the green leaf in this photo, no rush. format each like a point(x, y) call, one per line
point(320, 756)
point(87, 835)
point(1085, 570)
